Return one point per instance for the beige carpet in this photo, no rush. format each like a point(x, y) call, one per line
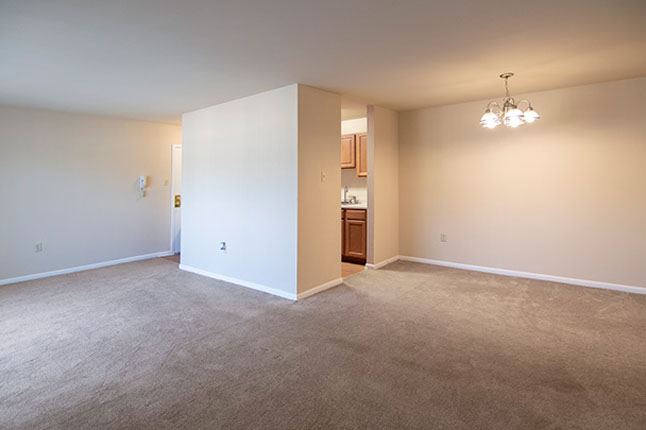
point(146, 346)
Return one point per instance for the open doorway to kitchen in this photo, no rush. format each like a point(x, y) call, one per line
point(354, 187)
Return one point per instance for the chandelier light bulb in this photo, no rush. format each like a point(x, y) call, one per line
point(489, 119)
point(514, 122)
point(513, 117)
point(531, 115)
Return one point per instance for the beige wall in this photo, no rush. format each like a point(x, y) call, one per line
point(383, 185)
point(564, 197)
point(352, 126)
point(319, 235)
point(71, 182)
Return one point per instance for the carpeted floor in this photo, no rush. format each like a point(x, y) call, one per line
point(146, 346)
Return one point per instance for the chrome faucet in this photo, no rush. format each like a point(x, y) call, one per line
point(345, 194)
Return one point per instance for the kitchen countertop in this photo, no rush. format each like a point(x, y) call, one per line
point(354, 206)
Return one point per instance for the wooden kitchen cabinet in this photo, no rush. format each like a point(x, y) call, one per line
point(354, 153)
point(348, 152)
point(342, 233)
point(354, 235)
point(362, 154)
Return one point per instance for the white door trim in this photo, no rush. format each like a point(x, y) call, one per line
point(172, 196)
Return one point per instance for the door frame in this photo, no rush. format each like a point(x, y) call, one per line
point(172, 196)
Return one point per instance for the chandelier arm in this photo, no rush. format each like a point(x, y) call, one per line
point(529, 104)
point(493, 104)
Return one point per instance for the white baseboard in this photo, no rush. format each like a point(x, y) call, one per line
point(540, 276)
point(320, 288)
point(263, 288)
point(247, 284)
point(382, 263)
point(83, 268)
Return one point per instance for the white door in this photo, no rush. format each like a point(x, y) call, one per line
point(176, 186)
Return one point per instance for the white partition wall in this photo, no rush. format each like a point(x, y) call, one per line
point(242, 163)
point(240, 187)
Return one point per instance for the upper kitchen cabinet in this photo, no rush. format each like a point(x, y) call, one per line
point(348, 153)
point(362, 154)
point(354, 153)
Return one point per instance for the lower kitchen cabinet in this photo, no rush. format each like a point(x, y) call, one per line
point(354, 233)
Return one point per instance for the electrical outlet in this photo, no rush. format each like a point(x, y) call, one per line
point(223, 246)
point(443, 237)
point(38, 247)
point(323, 176)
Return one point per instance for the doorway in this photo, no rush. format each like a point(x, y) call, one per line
point(176, 199)
point(354, 187)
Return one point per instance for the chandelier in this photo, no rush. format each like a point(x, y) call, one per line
point(509, 114)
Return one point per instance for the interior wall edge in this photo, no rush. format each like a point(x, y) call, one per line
point(319, 289)
point(382, 263)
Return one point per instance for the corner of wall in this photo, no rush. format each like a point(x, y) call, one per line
point(383, 185)
point(319, 181)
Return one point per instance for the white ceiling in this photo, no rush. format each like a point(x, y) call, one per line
point(154, 59)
